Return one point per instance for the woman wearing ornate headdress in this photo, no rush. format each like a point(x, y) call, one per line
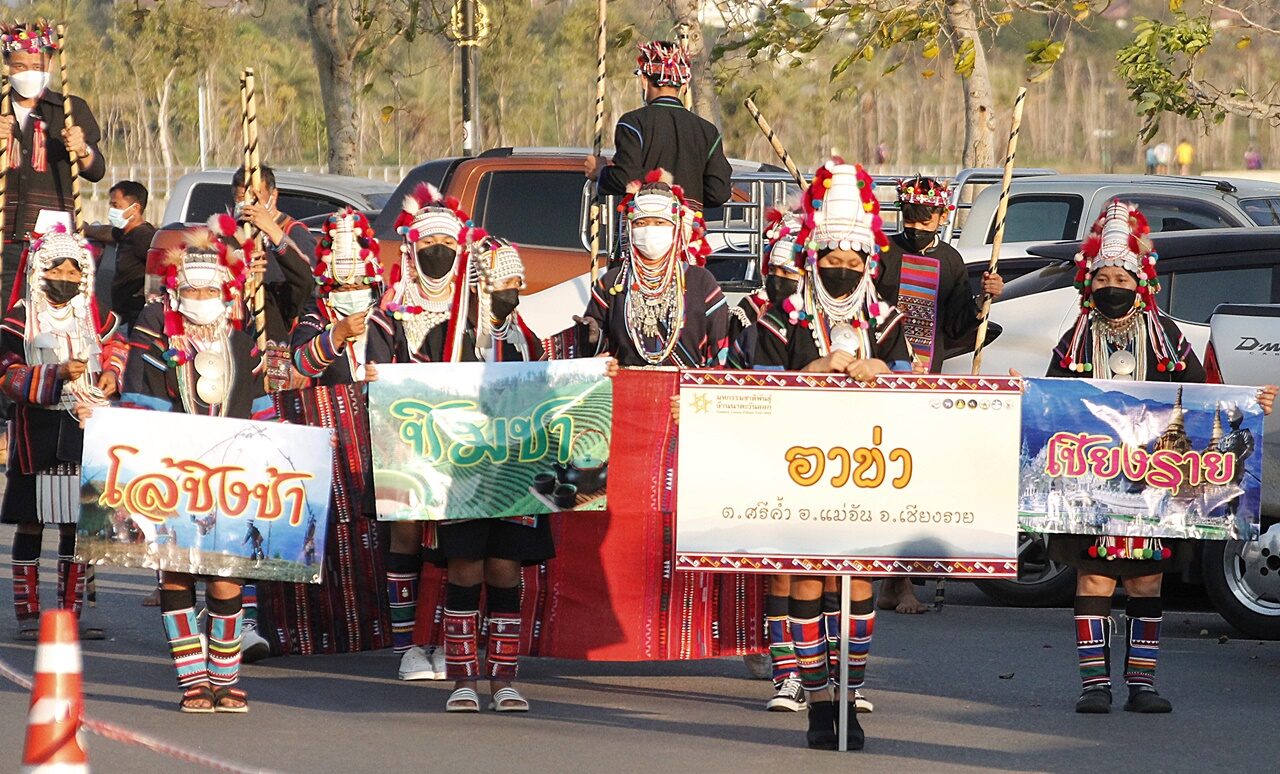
point(427, 307)
point(1121, 333)
point(780, 294)
point(55, 351)
point(659, 307)
point(191, 356)
point(845, 329)
point(336, 344)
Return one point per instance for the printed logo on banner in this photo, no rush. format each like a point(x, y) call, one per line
point(1141, 459)
point(205, 495)
point(490, 440)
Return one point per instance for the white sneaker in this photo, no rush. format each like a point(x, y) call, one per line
point(861, 703)
point(252, 646)
point(419, 663)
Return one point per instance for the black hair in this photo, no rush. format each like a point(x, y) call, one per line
point(268, 177)
point(132, 190)
point(918, 213)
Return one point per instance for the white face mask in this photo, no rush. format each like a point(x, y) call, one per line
point(204, 311)
point(118, 218)
point(348, 302)
point(29, 83)
point(653, 242)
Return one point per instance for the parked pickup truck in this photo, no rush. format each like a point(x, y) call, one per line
point(1047, 208)
point(1243, 578)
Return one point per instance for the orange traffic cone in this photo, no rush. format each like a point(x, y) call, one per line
point(57, 705)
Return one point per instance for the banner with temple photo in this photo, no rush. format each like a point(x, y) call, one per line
point(205, 495)
point(490, 440)
point(1140, 459)
point(819, 474)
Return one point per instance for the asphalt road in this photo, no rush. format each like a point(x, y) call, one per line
point(975, 688)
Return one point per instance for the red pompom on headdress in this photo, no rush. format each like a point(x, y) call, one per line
point(926, 191)
point(37, 38)
point(356, 261)
point(426, 211)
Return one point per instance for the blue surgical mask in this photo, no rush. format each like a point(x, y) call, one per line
point(117, 218)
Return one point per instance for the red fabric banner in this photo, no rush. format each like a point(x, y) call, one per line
point(611, 593)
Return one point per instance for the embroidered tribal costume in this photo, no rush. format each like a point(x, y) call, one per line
point(1120, 333)
point(191, 356)
point(348, 611)
point(843, 326)
point(659, 307)
point(54, 323)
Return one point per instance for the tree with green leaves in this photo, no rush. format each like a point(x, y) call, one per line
point(897, 31)
point(1170, 67)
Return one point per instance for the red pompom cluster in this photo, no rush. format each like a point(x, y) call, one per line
point(366, 241)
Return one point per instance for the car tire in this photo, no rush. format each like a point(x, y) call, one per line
point(1242, 580)
point(1040, 583)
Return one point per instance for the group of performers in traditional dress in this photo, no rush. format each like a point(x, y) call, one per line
point(829, 304)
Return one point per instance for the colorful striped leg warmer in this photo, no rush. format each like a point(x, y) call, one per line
point(782, 651)
point(226, 623)
point(26, 576)
point(1093, 641)
point(810, 642)
point(403, 571)
point(178, 613)
point(862, 625)
point(461, 625)
point(71, 576)
point(504, 632)
point(1144, 615)
point(249, 606)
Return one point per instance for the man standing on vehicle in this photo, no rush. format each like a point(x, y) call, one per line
point(664, 134)
point(927, 280)
point(40, 148)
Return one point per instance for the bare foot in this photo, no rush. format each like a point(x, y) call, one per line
point(897, 594)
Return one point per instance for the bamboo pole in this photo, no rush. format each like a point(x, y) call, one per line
point(774, 142)
point(682, 40)
point(68, 123)
point(4, 156)
point(1001, 210)
point(597, 209)
point(252, 179)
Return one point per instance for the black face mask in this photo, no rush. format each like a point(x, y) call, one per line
point(61, 291)
point(838, 280)
point(779, 289)
point(435, 261)
point(503, 302)
point(1114, 302)
point(918, 238)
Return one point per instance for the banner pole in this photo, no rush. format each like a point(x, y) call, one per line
point(597, 208)
point(842, 695)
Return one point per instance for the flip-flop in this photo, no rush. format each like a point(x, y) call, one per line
point(93, 633)
point(197, 693)
point(27, 635)
point(463, 700)
point(227, 692)
point(508, 699)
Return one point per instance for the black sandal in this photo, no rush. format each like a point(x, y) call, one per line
point(197, 700)
point(228, 698)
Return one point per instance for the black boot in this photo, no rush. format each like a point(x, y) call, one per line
point(1145, 699)
point(857, 737)
point(1094, 701)
point(822, 726)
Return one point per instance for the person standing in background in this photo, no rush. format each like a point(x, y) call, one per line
point(120, 278)
point(1185, 154)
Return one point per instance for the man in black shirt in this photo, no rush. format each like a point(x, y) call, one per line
point(131, 234)
point(665, 135)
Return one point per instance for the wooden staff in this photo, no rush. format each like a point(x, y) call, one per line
point(597, 210)
point(774, 142)
point(252, 179)
point(68, 123)
point(4, 156)
point(1001, 210)
point(682, 40)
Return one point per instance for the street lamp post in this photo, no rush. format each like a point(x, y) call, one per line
point(468, 25)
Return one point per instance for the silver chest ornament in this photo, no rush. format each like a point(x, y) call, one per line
point(844, 338)
point(1122, 364)
point(211, 386)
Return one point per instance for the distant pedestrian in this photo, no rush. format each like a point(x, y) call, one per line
point(1151, 161)
point(1252, 158)
point(882, 152)
point(130, 234)
point(1186, 155)
point(1164, 155)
